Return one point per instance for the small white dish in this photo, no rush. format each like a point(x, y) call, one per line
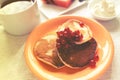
point(52, 11)
point(91, 8)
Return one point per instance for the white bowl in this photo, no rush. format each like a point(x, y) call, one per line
point(92, 4)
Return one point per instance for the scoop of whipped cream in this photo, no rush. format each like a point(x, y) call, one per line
point(77, 25)
point(105, 8)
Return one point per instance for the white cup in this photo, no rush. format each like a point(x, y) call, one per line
point(21, 22)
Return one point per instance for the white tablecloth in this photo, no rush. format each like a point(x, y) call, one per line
point(12, 62)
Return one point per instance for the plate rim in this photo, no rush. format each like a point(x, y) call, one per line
point(68, 17)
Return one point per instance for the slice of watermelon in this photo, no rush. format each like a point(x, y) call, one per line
point(63, 3)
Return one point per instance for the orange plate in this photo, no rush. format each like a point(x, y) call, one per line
point(46, 72)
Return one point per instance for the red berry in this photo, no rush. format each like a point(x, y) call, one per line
point(81, 37)
point(96, 57)
point(63, 41)
point(81, 24)
point(65, 33)
point(67, 29)
point(60, 34)
point(77, 32)
point(67, 46)
point(58, 45)
point(77, 37)
point(67, 38)
point(58, 40)
point(92, 63)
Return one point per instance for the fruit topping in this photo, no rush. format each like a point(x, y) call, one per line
point(96, 57)
point(92, 63)
point(77, 27)
point(81, 24)
point(67, 39)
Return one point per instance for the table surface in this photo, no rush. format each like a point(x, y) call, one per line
point(12, 62)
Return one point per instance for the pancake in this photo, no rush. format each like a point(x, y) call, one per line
point(78, 55)
point(75, 43)
point(46, 51)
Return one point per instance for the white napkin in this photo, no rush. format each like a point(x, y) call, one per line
point(51, 11)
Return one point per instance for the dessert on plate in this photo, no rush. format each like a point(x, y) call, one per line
point(71, 45)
